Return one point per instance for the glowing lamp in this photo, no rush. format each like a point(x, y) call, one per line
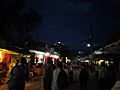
point(1, 57)
point(88, 45)
point(47, 54)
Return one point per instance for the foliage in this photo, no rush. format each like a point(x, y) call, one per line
point(13, 18)
point(27, 22)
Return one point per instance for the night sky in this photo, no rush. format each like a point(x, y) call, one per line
point(69, 21)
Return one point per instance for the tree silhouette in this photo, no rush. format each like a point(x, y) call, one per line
point(9, 11)
point(27, 23)
point(12, 17)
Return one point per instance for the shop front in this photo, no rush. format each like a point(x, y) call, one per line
point(42, 57)
point(39, 60)
point(7, 61)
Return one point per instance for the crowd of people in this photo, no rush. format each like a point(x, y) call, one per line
point(19, 75)
point(103, 75)
point(57, 77)
point(83, 77)
point(106, 75)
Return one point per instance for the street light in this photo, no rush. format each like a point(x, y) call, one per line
point(88, 45)
point(79, 52)
point(59, 42)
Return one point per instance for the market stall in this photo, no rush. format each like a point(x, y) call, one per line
point(39, 59)
point(7, 61)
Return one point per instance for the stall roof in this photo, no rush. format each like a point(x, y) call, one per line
point(8, 51)
point(111, 48)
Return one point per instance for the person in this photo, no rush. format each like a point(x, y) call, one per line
point(48, 75)
point(56, 85)
point(36, 61)
point(102, 76)
point(70, 72)
point(97, 71)
point(19, 74)
point(83, 77)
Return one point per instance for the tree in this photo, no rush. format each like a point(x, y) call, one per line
point(27, 22)
point(9, 11)
point(12, 17)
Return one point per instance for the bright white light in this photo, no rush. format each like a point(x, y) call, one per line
point(39, 61)
point(88, 45)
point(67, 60)
point(111, 62)
point(107, 62)
point(101, 60)
point(35, 51)
point(40, 56)
point(86, 60)
point(81, 61)
point(47, 54)
point(59, 42)
point(79, 52)
point(98, 52)
point(54, 56)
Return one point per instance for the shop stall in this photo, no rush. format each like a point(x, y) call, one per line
point(37, 56)
point(7, 61)
point(42, 57)
point(39, 59)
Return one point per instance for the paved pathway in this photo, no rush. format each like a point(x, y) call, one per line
point(92, 84)
point(38, 84)
point(35, 85)
point(32, 85)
